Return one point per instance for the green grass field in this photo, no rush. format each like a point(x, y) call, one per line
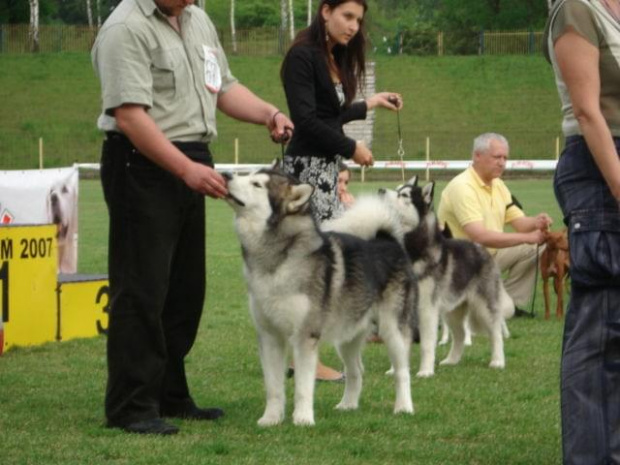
point(449, 100)
point(51, 396)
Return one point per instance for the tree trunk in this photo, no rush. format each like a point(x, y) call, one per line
point(89, 14)
point(233, 29)
point(33, 33)
point(283, 15)
point(291, 19)
point(309, 12)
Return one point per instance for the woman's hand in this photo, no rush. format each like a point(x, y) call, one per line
point(390, 100)
point(362, 155)
point(280, 127)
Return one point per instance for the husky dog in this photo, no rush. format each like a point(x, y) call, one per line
point(307, 286)
point(369, 217)
point(458, 280)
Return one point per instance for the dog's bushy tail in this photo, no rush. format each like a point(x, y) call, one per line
point(368, 217)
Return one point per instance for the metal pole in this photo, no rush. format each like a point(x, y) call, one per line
point(428, 158)
point(40, 153)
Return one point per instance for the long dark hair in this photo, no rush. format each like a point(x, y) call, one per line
point(350, 59)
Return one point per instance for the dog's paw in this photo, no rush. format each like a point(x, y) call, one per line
point(346, 406)
point(425, 373)
point(269, 420)
point(405, 408)
point(448, 361)
point(497, 364)
point(390, 372)
point(303, 420)
point(442, 342)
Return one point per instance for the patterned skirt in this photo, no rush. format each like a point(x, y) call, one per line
point(322, 173)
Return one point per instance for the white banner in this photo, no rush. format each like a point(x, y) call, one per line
point(44, 197)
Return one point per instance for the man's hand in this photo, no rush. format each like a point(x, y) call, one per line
point(543, 221)
point(205, 180)
point(538, 236)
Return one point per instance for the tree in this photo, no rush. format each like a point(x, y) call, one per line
point(233, 29)
point(291, 19)
point(33, 31)
point(309, 12)
point(89, 14)
point(18, 11)
point(283, 15)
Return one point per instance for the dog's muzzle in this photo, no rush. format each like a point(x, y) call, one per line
point(235, 199)
point(228, 176)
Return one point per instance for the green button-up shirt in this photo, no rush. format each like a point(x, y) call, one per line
point(141, 59)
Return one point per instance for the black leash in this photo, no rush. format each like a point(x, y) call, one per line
point(401, 150)
point(515, 202)
point(532, 313)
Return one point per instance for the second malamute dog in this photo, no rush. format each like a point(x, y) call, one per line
point(457, 279)
point(307, 286)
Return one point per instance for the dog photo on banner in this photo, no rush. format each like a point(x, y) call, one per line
point(47, 196)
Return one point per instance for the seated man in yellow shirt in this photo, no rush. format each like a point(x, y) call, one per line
point(476, 205)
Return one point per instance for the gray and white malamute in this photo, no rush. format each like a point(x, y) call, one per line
point(457, 280)
point(307, 286)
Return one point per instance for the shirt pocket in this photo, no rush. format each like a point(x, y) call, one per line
point(169, 73)
point(594, 237)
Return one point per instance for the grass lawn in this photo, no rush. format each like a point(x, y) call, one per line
point(51, 396)
point(450, 100)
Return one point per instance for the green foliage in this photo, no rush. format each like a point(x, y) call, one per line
point(384, 15)
point(18, 11)
point(491, 14)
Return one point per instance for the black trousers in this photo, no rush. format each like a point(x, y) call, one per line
point(157, 278)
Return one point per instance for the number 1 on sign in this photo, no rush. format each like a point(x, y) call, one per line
point(4, 277)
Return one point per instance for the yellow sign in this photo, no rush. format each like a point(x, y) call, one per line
point(28, 266)
point(84, 305)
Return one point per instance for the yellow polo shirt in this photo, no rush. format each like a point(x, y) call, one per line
point(467, 199)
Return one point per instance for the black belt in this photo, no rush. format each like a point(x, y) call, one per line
point(197, 151)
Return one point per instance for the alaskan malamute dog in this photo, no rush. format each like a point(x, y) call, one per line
point(457, 279)
point(307, 286)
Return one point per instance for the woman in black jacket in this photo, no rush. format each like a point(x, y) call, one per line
point(320, 74)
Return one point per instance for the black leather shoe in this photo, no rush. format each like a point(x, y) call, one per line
point(195, 413)
point(154, 426)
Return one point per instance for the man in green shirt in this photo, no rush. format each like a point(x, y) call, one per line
point(163, 74)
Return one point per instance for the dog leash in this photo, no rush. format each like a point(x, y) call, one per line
point(532, 313)
point(400, 151)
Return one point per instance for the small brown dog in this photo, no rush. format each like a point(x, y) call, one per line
point(555, 263)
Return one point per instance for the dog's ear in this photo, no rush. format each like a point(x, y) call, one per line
point(428, 192)
point(300, 196)
point(413, 181)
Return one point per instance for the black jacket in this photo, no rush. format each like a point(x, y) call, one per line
point(314, 107)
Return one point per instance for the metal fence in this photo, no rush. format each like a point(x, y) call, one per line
point(15, 38)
